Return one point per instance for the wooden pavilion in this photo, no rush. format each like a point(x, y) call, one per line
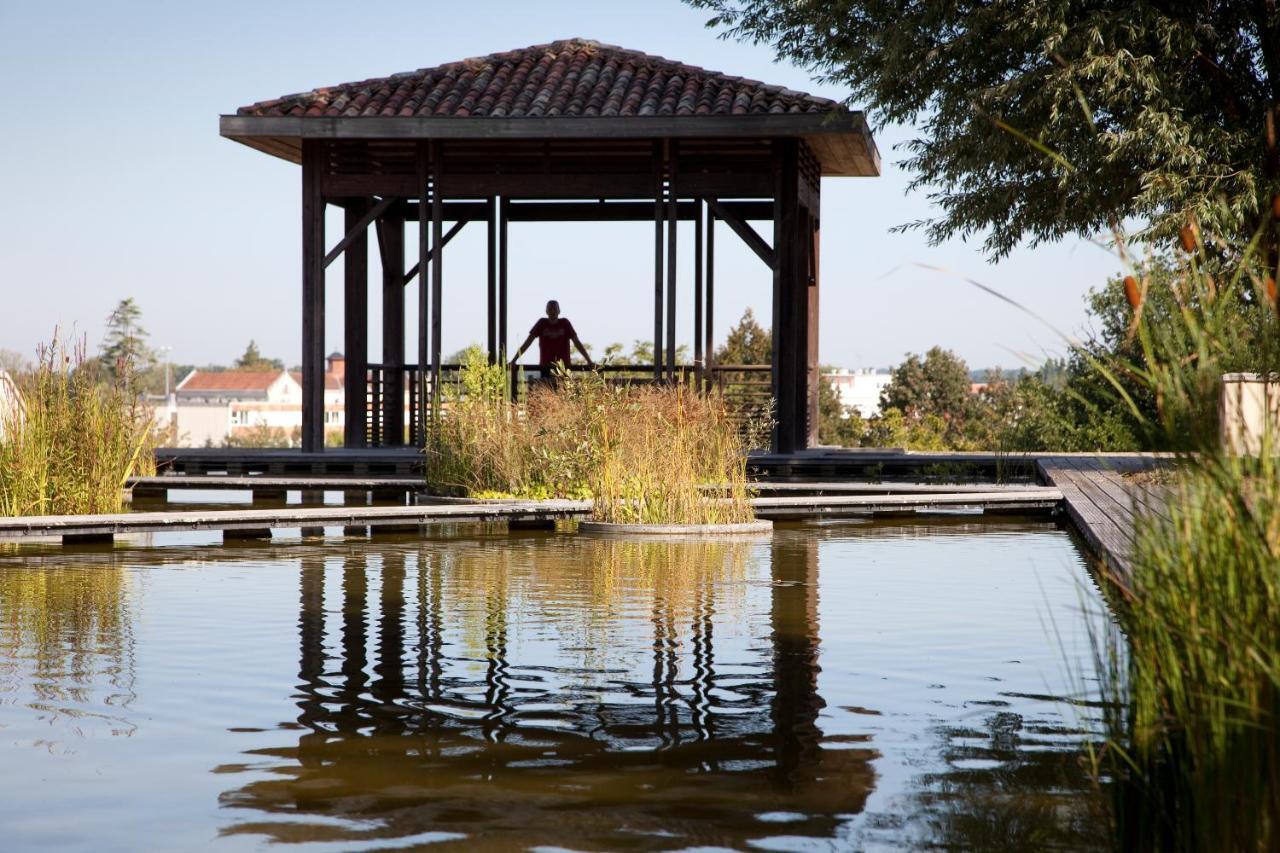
point(568, 131)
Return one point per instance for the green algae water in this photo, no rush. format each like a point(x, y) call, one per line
point(846, 686)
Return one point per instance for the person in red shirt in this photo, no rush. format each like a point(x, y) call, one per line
point(554, 334)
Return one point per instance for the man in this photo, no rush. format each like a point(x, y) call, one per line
point(554, 334)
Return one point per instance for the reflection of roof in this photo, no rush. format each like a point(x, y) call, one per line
point(229, 380)
point(573, 77)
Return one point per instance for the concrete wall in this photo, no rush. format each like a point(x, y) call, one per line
point(1249, 408)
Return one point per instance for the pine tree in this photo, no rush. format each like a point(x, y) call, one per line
point(253, 359)
point(124, 351)
point(747, 343)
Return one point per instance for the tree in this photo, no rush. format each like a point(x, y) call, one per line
point(836, 423)
point(936, 385)
point(255, 360)
point(1038, 120)
point(124, 350)
point(747, 343)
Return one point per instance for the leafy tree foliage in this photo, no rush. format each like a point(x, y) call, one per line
point(1041, 119)
point(936, 385)
point(253, 359)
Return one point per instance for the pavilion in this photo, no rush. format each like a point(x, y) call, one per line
point(568, 131)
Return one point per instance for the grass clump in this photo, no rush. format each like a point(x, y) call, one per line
point(645, 453)
point(72, 440)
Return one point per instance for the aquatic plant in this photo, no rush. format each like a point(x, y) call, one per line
point(644, 452)
point(73, 439)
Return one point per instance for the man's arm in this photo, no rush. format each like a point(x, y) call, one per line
point(585, 356)
point(533, 335)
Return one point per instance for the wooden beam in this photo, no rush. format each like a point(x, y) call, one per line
point(673, 158)
point(491, 282)
point(813, 366)
point(709, 338)
point(748, 234)
point(357, 230)
point(790, 299)
point(659, 175)
point(431, 253)
point(698, 364)
point(312, 298)
point(437, 280)
point(504, 209)
point(355, 323)
point(392, 234)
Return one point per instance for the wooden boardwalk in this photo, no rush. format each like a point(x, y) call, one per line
point(1101, 502)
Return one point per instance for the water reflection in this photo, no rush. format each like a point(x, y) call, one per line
point(66, 646)
point(500, 707)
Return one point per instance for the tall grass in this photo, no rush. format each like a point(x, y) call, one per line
point(73, 440)
point(644, 453)
point(1192, 667)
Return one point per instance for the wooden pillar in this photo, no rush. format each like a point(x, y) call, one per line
point(659, 175)
point(814, 368)
point(428, 251)
point(393, 327)
point(708, 345)
point(698, 362)
point(790, 300)
point(673, 221)
point(437, 280)
point(491, 312)
point(504, 208)
point(313, 157)
point(355, 317)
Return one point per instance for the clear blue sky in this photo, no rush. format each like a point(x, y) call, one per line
point(116, 183)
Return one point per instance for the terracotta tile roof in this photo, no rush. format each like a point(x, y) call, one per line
point(228, 381)
point(331, 382)
point(574, 77)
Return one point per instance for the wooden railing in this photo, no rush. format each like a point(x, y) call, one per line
point(747, 390)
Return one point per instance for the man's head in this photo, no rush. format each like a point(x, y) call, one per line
point(553, 309)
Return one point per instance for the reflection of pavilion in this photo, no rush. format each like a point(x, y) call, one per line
point(426, 740)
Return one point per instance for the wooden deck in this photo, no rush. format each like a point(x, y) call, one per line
point(1101, 503)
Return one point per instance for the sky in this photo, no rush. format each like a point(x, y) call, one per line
point(116, 184)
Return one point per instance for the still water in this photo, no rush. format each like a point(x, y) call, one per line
point(840, 687)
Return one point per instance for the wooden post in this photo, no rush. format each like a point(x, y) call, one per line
point(393, 328)
point(708, 346)
point(428, 254)
point(504, 209)
point(658, 199)
point(313, 163)
point(491, 318)
point(437, 280)
point(814, 367)
point(789, 347)
point(673, 220)
point(355, 314)
point(699, 367)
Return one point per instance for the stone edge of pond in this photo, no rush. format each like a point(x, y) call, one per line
point(760, 527)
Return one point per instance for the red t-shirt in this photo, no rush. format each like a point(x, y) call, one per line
point(553, 340)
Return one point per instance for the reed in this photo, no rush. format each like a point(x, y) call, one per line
point(73, 440)
point(1191, 668)
point(644, 453)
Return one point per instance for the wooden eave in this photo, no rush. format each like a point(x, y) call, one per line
point(841, 141)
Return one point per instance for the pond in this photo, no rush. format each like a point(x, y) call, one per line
point(841, 686)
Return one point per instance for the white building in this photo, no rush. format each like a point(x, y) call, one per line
point(859, 389)
point(209, 407)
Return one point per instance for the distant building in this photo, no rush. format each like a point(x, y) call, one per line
point(860, 389)
point(210, 406)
